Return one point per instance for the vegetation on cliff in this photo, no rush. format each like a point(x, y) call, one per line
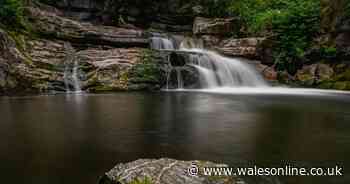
point(11, 13)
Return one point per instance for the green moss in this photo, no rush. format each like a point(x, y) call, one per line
point(102, 88)
point(20, 41)
point(345, 76)
point(146, 71)
point(146, 180)
point(342, 85)
point(326, 85)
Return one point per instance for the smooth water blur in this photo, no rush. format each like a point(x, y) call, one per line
point(74, 139)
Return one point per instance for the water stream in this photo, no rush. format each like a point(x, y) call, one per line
point(71, 71)
point(215, 71)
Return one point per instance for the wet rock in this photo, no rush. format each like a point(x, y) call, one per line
point(269, 72)
point(243, 47)
point(314, 74)
point(218, 26)
point(307, 75)
point(165, 171)
point(210, 41)
point(265, 51)
point(324, 72)
point(177, 59)
point(285, 78)
point(50, 24)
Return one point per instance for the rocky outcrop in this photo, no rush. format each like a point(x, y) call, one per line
point(218, 26)
point(52, 25)
point(268, 72)
point(121, 69)
point(10, 60)
point(243, 47)
point(40, 66)
point(165, 171)
point(166, 15)
point(326, 76)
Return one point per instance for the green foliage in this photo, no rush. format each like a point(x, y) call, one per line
point(328, 52)
point(216, 8)
point(146, 71)
point(293, 23)
point(11, 12)
point(347, 9)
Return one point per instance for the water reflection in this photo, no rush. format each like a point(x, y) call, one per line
point(76, 138)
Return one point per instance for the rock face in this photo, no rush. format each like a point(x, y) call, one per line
point(165, 171)
point(50, 24)
point(218, 26)
point(167, 15)
point(243, 47)
point(269, 72)
point(314, 74)
point(41, 66)
point(120, 69)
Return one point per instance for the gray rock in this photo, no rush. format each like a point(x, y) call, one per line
point(243, 47)
point(165, 171)
point(314, 74)
point(50, 24)
point(218, 26)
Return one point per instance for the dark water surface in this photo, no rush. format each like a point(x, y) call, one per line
point(74, 139)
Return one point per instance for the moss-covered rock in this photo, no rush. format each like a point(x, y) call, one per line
point(166, 171)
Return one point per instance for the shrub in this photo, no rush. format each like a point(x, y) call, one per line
point(11, 12)
point(293, 23)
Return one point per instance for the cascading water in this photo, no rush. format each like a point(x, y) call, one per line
point(215, 71)
point(160, 43)
point(71, 71)
point(219, 71)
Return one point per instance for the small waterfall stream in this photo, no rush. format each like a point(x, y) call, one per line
point(215, 71)
point(71, 71)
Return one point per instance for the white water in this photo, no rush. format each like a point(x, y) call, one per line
point(220, 71)
point(160, 43)
point(214, 70)
point(71, 72)
point(219, 74)
point(75, 77)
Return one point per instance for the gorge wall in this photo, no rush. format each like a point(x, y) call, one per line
point(110, 41)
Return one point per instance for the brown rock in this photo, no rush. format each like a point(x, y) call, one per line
point(218, 26)
point(49, 23)
point(244, 47)
point(268, 72)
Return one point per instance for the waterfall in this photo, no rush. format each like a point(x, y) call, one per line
point(215, 70)
point(160, 43)
point(219, 71)
point(71, 74)
point(75, 76)
point(180, 83)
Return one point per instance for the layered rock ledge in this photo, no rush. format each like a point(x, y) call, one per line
point(52, 24)
point(165, 171)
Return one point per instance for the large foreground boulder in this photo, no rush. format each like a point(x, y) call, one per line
point(166, 171)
